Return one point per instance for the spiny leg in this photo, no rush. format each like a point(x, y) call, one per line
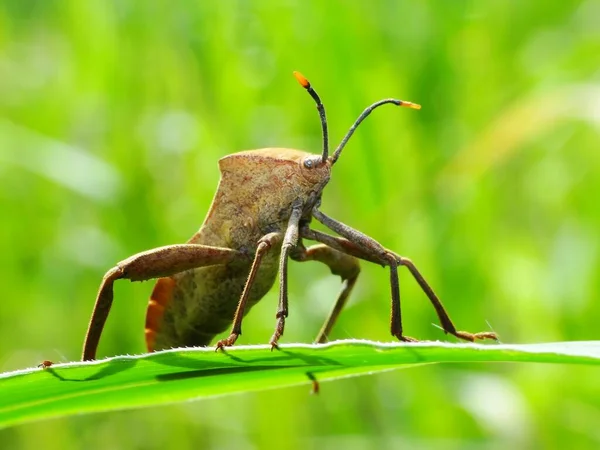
point(155, 263)
point(342, 264)
point(358, 242)
point(290, 241)
point(264, 244)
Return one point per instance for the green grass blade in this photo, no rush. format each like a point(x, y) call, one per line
point(179, 375)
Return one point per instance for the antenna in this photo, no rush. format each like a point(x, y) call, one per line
point(363, 116)
point(306, 85)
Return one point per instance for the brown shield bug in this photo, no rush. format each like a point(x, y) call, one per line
point(258, 220)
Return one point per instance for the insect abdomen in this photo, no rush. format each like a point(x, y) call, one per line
point(191, 308)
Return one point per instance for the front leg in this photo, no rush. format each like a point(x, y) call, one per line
point(290, 241)
point(155, 263)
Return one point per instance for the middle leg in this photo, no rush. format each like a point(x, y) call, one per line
point(342, 264)
point(264, 245)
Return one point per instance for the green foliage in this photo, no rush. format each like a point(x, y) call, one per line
point(113, 114)
point(179, 375)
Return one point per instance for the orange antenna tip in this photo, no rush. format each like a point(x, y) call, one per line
point(302, 80)
point(410, 105)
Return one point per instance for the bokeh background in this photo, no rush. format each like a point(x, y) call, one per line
point(113, 115)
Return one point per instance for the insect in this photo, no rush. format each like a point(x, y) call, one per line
point(45, 364)
point(259, 219)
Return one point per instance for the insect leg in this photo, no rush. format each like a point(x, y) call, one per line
point(363, 252)
point(264, 244)
point(290, 241)
point(155, 263)
point(342, 264)
point(373, 250)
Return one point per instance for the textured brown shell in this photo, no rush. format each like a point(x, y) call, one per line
point(254, 197)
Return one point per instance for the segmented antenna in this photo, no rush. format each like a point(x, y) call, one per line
point(306, 85)
point(363, 116)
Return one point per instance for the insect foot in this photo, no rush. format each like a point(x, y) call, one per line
point(406, 338)
point(281, 315)
point(227, 342)
point(465, 335)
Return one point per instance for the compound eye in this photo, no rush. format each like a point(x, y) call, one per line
point(309, 163)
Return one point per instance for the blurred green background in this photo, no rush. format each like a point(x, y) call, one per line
point(113, 115)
